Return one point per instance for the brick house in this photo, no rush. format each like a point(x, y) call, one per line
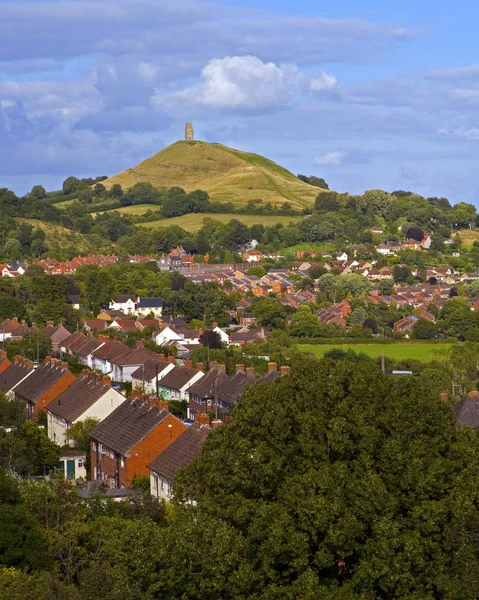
point(175, 384)
point(125, 443)
point(42, 387)
point(102, 357)
point(15, 373)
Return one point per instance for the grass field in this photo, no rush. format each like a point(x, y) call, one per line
point(227, 175)
point(308, 246)
point(194, 222)
point(65, 203)
point(423, 352)
point(59, 238)
point(469, 236)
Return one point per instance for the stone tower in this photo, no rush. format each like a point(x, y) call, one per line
point(189, 134)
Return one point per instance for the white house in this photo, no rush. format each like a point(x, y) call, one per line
point(175, 384)
point(124, 365)
point(341, 256)
point(179, 453)
point(225, 338)
point(147, 376)
point(126, 303)
point(103, 356)
point(145, 306)
point(72, 464)
point(87, 397)
point(165, 335)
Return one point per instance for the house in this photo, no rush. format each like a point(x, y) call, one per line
point(42, 387)
point(175, 456)
point(406, 324)
point(73, 464)
point(95, 325)
point(147, 376)
point(126, 442)
point(247, 319)
point(124, 365)
point(14, 374)
point(4, 362)
point(104, 354)
point(124, 325)
point(467, 410)
point(341, 256)
point(83, 349)
point(145, 306)
point(176, 383)
point(57, 334)
point(165, 335)
point(88, 397)
point(240, 338)
point(74, 301)
point(125, 303)
point(225, 338)
point(253, 256)
point(219, 391)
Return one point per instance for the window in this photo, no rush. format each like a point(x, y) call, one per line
point(122, 462)
point(155, 484)
point(80, 463)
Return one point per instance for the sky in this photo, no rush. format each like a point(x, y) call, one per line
point(368, 94)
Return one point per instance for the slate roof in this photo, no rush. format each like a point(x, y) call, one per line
point(77, 398)
point(181, 452)
point(88, 347)
point(40, 381)
point(127, 425)
point(466, 410)
point(150, 303)
point(177, 378)
point(149, 370)
point(13, 375)
point(112, 349)
point(73, 339)
point(138, 356)
point(227, 388)
point(122, 298)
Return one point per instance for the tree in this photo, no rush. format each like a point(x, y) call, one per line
point(38, 192)
point(313, 180)
point(401, 273)
point(305, 324)
point(211, 338)
point(386, 287)
point(70, 185)
point(116, 191)
point(316, 271)
point(311, 492)
point(424, 330)
point(371, 324)
point(256, 272)
point(415, 233)
point(99, 190)
point(269, 312)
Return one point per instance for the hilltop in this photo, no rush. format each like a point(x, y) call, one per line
point(227, 175)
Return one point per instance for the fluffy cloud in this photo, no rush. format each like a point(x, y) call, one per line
point(330, 159)
point(246, 83)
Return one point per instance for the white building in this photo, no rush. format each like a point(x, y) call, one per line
point(126, 303)
point(87, 397)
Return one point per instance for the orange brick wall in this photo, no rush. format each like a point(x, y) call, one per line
point(50, 395)
point(149, 448)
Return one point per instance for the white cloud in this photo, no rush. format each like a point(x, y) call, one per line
point(330, 159)
point(247, 83)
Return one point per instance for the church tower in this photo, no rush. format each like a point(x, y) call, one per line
point(189, 133)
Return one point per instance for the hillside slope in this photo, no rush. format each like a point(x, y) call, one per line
point(227, 175)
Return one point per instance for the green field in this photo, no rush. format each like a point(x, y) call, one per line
point(227, 175)
point(65, 203)
point(423, 352)
point(194, 222)
point(324, 247)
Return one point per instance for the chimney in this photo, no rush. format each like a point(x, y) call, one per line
point(64, 365)
point(3, 354)
point(172, 359)
point(188, 363)
point(161, 357)
point(85, 372)
point(136, 394)
point(250, 372)
point(103, 338)
point(272, 366)
point(163, 405)
point(285, 370)
point(15, 319)
point(47, 359)
point(204, 419)
point(444, 396)
point(239, 367)
point(214, 325)
point(226, 419)
point(216, 423)
point(50, 323)
point(197, 418)
point(213, 364)
point(18, 359)
point(106, 380)
point(23, 321)
point(140, 344)
point(200, 367)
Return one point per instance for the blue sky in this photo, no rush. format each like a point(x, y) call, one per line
point(365, 94)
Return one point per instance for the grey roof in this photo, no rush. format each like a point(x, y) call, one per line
point(467, 410)
point(150, 303)
point(138, 356)
point(149, 370)
point(122, 298)
point(13, 375)
point(180, 452)
point(177, 378)
point(77, 398)
point(226, 388)
point(127, 425)
point(41, 380)
point(112, 349)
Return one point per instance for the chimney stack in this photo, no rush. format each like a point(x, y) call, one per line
point(103, 338)
point(213, 364)
point(214, 325)
point(200, 367)
point(250, 372)
point(162, 404)
point(239, 367)
point(188, 363)
point(106, 380)
point(285, 370)
point(140, 344)
point(444, 396)
point(272, 366)
point(161, 357)
point(172, 359)
point(136, 394)
point(216, 423)
point(221, 367)
point(204, 419)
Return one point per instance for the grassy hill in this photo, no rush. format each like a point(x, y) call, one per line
point(227, 175)
point(194, 222)
point(62, 240)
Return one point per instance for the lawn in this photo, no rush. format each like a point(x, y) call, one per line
point(424, 352)
point(194, 222)
point(324, 247)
